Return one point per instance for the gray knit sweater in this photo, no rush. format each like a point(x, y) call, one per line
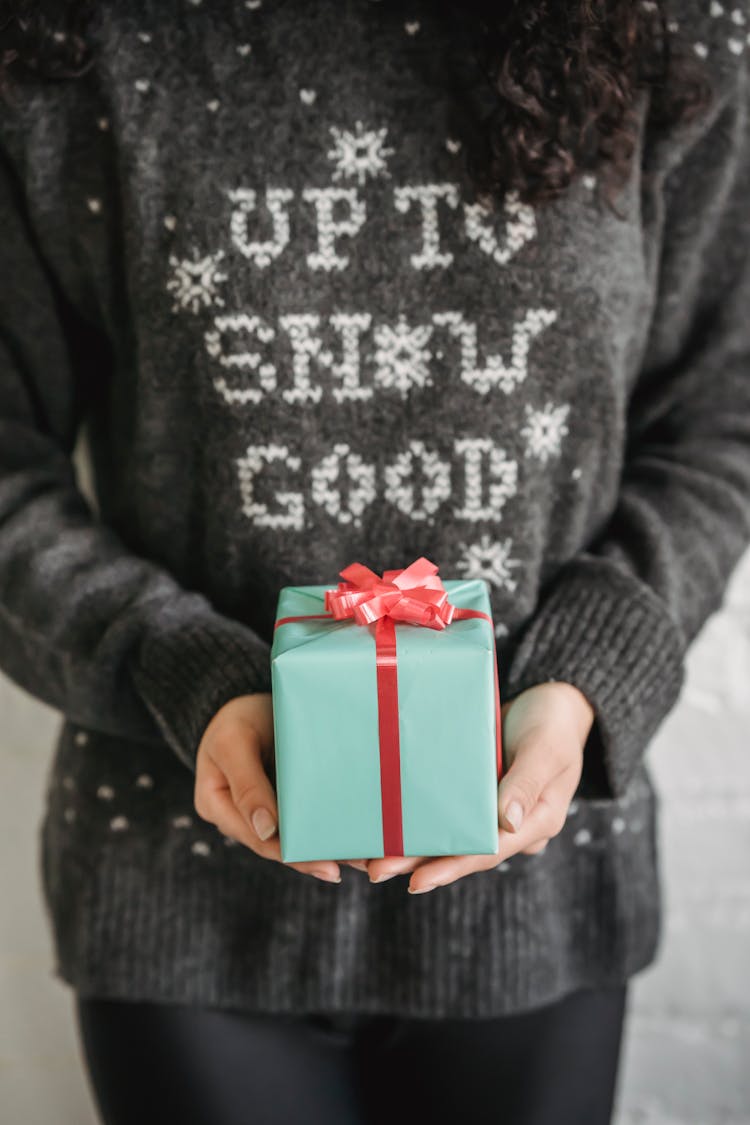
point(244, 251)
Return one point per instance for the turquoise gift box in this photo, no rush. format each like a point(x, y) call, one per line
point(328, 709)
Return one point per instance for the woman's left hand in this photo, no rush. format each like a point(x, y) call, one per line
point(544, 733)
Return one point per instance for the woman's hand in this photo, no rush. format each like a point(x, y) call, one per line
point(232, 786)
point(544, 732)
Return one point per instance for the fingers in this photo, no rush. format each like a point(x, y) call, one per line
point(233, 792)
point(446, 869)
point(324, 869)
point(251, 789)
point(229, 820)
point(544, 821)
point(537, 762)
point(380, 870)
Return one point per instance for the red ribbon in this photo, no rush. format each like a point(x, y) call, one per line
point(416, 596)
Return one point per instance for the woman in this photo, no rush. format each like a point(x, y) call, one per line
point(364, 281)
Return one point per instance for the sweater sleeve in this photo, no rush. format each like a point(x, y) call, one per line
point(616, 620)
point(87, 626)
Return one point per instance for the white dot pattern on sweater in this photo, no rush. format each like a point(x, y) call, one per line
point(732, 23)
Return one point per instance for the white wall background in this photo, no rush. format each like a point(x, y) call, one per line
point(687, 1052)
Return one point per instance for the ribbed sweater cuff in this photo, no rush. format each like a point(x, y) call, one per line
point(603, 630)
point(190, 662)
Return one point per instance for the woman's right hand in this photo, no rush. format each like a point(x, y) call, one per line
point(232, 785)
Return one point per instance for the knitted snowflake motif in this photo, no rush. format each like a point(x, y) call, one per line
point(194, 283)
point(361, 154)
point(544, 430)
point(402, 355)
point(491, 560)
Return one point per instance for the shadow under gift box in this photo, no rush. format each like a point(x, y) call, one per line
point(325, 710)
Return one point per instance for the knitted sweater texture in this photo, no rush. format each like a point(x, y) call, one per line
point(243, 260)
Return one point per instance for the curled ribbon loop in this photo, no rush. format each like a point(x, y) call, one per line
point(413, 594)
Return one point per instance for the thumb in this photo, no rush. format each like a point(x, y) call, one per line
point(249, 784)
point(517, 794)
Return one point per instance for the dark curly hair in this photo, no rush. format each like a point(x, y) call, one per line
point(546, 89)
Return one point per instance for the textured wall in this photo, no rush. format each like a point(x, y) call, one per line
point(688, 1041)
point(688, 1046)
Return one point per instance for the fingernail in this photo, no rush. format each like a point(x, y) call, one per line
point(320, 874)
point(514, 814)
point(421, 890)
point(263, 823)
point(382, 878)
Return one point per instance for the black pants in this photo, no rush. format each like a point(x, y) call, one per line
point(159, 1064)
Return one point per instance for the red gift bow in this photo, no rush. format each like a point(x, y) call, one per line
point(416, 596)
